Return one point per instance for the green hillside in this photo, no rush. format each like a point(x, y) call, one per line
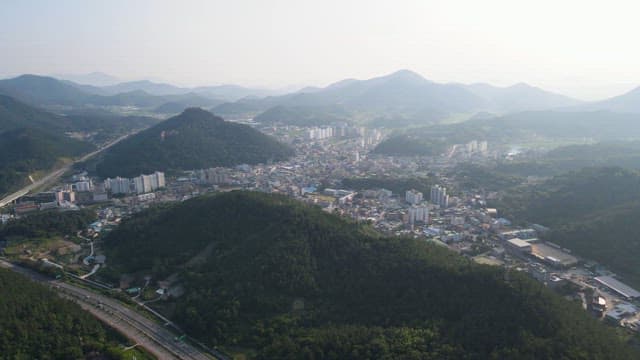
point(27, 150)
point(289, 281)
point(37, 324)
point(33, 140)
point(194, 139)
point(15, 114)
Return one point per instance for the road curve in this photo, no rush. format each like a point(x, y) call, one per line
point(153, 336)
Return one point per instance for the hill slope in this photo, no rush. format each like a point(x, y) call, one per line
point(32, 140)
point(36, 324)
point(626, 103)
point(192, 140)
point(15, 114)
point(531, 126)
point(292, 281)
point(519, 97)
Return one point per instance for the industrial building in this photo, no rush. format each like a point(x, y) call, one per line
point(518, 246)
point(552, 255)
point(620, 288)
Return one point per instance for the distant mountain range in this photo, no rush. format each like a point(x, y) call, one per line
point(103, 84)
point(93, 79)
point(399, 99)
point(56, 94)
point(195, 139)
point(396, 100)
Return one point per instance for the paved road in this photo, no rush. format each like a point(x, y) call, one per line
point(57, 173)
point(146, 333)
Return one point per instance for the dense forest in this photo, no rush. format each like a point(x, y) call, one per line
point(36, 324)
point(283, 280)
point(195, 139)
point(47, 224)
point(591, 211)
point(472, 176)
point(397, 185)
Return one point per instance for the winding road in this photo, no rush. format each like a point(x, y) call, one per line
point(153, 336)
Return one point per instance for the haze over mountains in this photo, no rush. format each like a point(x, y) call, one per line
point(397, 99)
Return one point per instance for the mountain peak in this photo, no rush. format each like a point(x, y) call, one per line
point(195, 111)
point(406, 74)
point(34, 77)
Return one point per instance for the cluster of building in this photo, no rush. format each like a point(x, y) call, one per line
point(367, 136)
point(475, 146)
point(140, 185)
point(319, 133)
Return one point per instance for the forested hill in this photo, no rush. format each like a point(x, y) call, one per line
point(289, 281)
point(194, 139)
point(32, 140)
point(36, 324)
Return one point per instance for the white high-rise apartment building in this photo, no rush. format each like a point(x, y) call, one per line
point(418, 214)
point(413, 197)
point(439, 196)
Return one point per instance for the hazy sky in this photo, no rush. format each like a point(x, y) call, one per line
point(587, 49)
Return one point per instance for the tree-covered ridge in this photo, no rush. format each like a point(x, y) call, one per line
point(592, 211)
point(37, 324)
point(194, 139)
point(291, 281)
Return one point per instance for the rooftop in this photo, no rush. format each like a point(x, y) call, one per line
point(617, 286)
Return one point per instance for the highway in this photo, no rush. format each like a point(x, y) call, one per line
point(55, 174)
point(154, 337)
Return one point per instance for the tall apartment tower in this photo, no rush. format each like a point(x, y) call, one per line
point(439, 196)
point(413, 197)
